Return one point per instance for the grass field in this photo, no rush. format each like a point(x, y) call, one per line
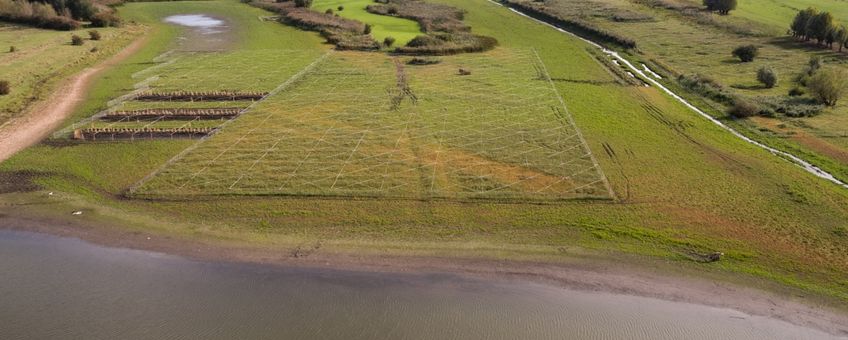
point(779, 13)
point(675, 42)
point(393, 130)
point(403, 30)
point(683, 186)
point(43, 57)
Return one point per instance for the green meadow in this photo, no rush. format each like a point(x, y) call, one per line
point(33, 61)
point(403, 30)
point(315, 162)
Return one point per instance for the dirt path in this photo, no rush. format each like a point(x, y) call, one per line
point(47, 114)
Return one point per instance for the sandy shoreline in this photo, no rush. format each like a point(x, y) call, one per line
point(581, 274)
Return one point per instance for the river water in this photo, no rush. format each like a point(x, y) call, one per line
point(62, 288)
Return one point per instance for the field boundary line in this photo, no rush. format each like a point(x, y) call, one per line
point(573, 124)
point(132, 189)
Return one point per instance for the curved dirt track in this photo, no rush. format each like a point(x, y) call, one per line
point(47, 114)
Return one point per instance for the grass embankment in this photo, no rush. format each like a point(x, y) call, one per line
point(42, 58)
point(684, 185)
point(403, 30)
point(674, 43)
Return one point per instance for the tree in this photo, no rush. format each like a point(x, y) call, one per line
point(802, 20)
point(841, 36)
point(303, 3)
point(746, 53)
point(829, 85)
point(722, 6)
point(767, 76)
point(819, 26)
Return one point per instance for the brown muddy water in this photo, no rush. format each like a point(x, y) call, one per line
point(63, 288)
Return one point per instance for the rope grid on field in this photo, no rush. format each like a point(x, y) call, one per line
point(499, 132)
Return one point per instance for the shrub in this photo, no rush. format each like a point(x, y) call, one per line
point(743, 108)
point(35, 13)
point(814, 64)
point(13, 49)
point(746, 53)
point(829, 85)
point(329, 11)
point(303, 3)
point(464, 72)
point(423, 61)
point(797, 91)
point(367, 29)
point(4, 87)
point(447, 43)
point(767, 76)
point(705, 86)
point(76, 40)
point(721, 6)
point(94, 35)
point(389, 41)
point(105, 19)
point(790, 106)
point(340, 8)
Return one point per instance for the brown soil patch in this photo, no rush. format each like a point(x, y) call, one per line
point(803, 137)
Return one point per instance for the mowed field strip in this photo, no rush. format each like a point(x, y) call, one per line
point(369, 125)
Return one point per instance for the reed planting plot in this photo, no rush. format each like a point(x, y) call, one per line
point(241, 71)
point(369, 125)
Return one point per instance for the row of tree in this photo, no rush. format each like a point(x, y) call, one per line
point(810, 24)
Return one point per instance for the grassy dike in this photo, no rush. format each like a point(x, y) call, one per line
point(683, 185)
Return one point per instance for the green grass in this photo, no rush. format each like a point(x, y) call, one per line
point(241, 70)
point(682, 183)
point(500, 132)
point(44, 57)
point(779, 14)
point(403, 30)
point(685, 47)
